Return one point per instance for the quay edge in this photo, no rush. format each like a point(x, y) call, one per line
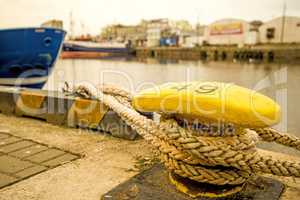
point(64, 110)
point(264, 53)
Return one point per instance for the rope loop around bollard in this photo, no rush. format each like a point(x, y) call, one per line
point(230, 159)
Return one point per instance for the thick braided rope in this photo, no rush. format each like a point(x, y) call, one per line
point(195, 156)
point(251, 160)
point(271, 135)
point(115, 91)
point(121, 95)
point(141, 125)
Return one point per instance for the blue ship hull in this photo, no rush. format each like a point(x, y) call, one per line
point(27, 55)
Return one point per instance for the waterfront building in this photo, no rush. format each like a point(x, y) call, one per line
point(155, 30)
point(252, 36)
point(119, 32)
point(53, 24)
point(237, 32)
point(165, 32)
point(284, 29)
point(182, 26)
point(281, 30)
point(153, 36)
point(192, 41)
point(193, 38)
point(227, 32)
point(135, 34)
point(147, 32)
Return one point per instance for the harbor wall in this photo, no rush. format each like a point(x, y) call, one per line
point(272, 53)
point(64, 110)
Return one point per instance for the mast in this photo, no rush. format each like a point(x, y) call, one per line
point(71, 26)
point(283, 22)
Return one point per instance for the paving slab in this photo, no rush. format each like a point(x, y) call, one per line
point(9, 164)
point(60, 160)
point(45, 155)
point(31, 171)
point(9, 140)
point(21, 158)
point(16, 146)
point(6, 180)
point(29, 151)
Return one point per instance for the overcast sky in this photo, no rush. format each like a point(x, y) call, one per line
point(95, 14)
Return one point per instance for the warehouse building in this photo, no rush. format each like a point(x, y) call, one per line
point(281, 30)
point(155, 28)
point(227, 32)
point(237, 32)
point(240, 32)
point(53, 24)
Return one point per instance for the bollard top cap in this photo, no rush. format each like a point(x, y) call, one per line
point(211, 101)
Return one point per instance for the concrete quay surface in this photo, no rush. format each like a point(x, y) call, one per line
point(104, 163)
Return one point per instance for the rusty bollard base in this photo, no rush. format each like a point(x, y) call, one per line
point(157, 183)
point(195, 189)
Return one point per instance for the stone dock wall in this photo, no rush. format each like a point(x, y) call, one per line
point(286, 53)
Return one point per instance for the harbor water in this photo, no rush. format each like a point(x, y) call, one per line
point(278, 81)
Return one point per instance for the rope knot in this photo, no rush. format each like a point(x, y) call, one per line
point(200, 151)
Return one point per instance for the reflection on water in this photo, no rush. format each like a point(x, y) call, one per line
point(134, 75)
point(281, 82)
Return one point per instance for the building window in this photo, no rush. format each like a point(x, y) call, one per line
point(270, 33)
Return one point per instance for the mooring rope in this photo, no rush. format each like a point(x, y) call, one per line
point(218, 159)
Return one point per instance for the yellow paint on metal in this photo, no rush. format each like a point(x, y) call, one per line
point(30, 100)
point(87, 112)
point(194, 194)
point(210, 101)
